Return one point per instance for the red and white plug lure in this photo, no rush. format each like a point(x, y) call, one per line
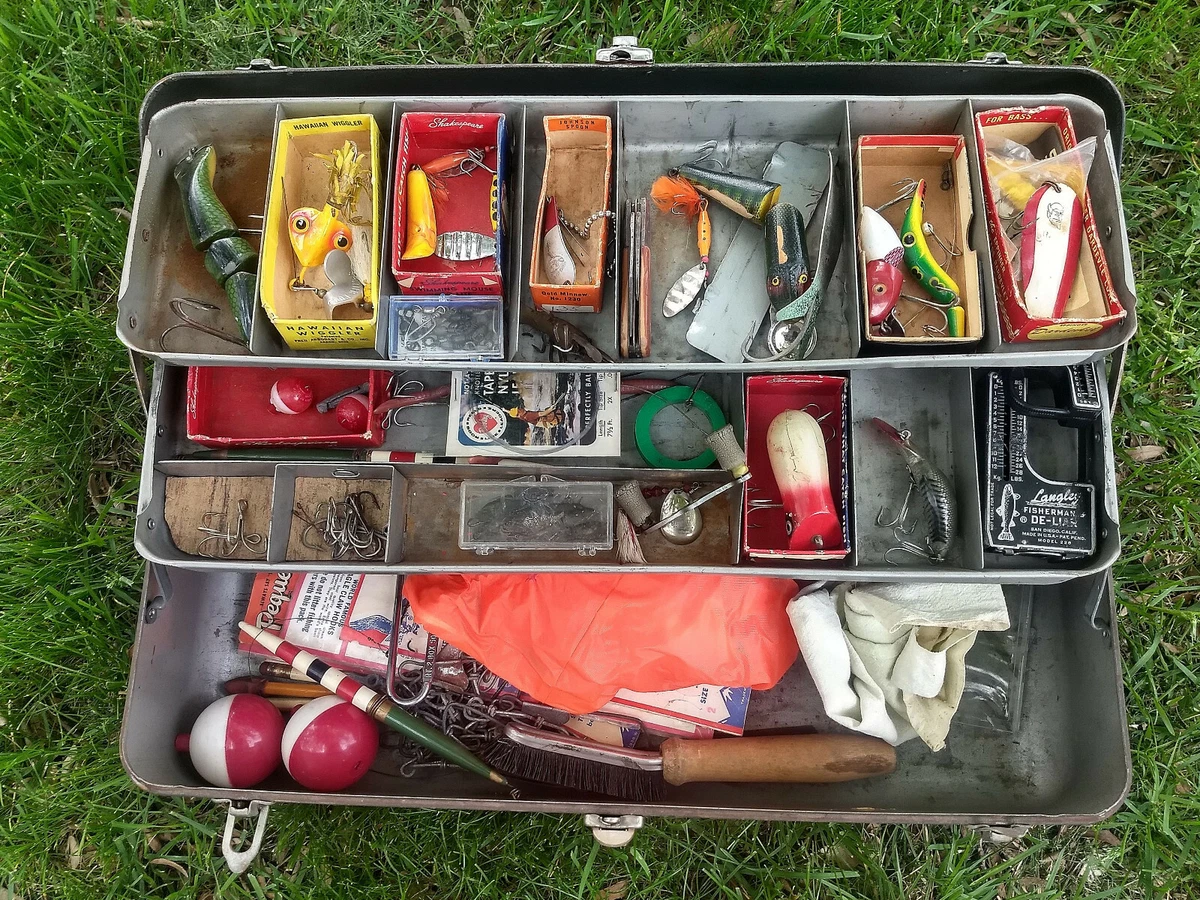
point(1051, 236)
point(884, 254)
point(796, 448)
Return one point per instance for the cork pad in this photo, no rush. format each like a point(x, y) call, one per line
point(188, 500)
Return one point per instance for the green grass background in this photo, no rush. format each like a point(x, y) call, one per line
point(71, 78)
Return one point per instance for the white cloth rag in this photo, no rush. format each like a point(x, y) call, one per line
point(889, 659)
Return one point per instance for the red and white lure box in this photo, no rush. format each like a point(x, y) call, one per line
point(1093, 305)
point(826, 399)
point(477, 200)
point(230, 406)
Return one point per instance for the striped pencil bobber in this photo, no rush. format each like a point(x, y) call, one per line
point(235, 741)
point(329, 744)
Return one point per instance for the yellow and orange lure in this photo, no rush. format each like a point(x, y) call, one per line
point(420, 232)
point(313, 234)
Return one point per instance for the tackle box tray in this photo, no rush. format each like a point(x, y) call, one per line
point(654, 129)
point(422, 515)
point(1069, 762)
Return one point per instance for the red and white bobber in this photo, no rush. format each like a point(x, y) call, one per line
point(291, 396)
point(329, 744)
point(354, 413)
point(235, 741)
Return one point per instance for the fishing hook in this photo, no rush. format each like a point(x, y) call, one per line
point(178, 304)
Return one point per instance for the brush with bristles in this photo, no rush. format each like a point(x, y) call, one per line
point(641, 776)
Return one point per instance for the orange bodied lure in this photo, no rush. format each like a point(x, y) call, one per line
point(420, 232)
point(313, 234)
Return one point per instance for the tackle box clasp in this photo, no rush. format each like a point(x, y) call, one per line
point(625, 49)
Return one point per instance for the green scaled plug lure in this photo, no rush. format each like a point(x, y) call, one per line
point(228, 257)
point(750, 198)
point(917, 255)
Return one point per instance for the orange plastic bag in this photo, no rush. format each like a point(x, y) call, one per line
point(574, 640)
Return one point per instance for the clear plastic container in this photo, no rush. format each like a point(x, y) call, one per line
point(436, 329)
point(995, 685)
point(534, 513)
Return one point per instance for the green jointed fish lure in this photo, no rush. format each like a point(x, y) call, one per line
point(751, 198)
point(207, 219)
point(917, 255)
point(228, 257)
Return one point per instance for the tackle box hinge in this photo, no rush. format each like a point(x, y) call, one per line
point(260, 64)
point(613, 831)
point(997, 58)
point(161, 594)
point(239, 860)
point(625, 49)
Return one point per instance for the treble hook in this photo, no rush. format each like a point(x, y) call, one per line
point(928, 329)
point(908, 187)
point(178, 304)
point(901, 523)
point(905, 547)
point(950, 250)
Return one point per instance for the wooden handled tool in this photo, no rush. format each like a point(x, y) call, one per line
point(794, 758)
point(641, 775)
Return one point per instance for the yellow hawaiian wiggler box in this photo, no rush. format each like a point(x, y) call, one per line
point(321, 233)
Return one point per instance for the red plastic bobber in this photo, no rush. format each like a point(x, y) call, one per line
point(329, 744)
point(291, 396)
point(235, 741)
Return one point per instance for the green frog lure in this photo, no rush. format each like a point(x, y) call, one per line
point(228, 256)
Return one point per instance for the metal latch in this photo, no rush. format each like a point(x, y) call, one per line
point(996, 58)
point(239, 860)
point(259, 64)
point(613, 831)
point(625, 49)
point(1000, 834)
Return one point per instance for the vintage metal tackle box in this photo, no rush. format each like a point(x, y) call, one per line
point(1069, 761)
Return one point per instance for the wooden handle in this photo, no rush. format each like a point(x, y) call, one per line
point(792, 759)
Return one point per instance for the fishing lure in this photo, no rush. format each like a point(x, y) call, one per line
point(925, 479)
point(556, 259)
point(1051, 237)
point(677, 196)
point(242, 290)
point(420, 231)
point(207, 219)
point(788, 275)
point(228, 257)
point(345, 288)
point(917, 255)
point(458, 246)
point(751, 198)
point(313, 233)
point(796, 336)
point(451, 165)
point(796, 448)
point(884, 254)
